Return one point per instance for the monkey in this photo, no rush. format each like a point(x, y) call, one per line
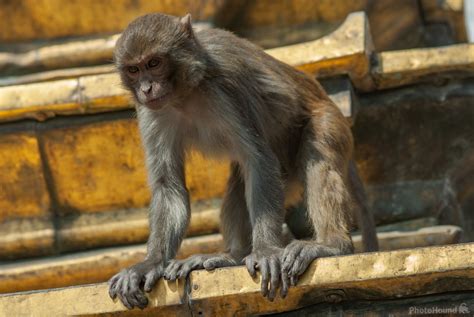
point(287, 142)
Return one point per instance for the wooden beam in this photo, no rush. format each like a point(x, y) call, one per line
point(400, 68)
point(100, 265)
point(232, 292)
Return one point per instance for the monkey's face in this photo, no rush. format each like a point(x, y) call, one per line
point(149, 80)
point(159, 60)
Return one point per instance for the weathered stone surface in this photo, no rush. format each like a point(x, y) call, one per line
point(421, 133)
point(232, 292)
point(399, 68)
point(23, 191)
point(26, 237)
point(92, 300)
point(57, 74)
point(345, 51)
point(100, 265)
point(119, 227)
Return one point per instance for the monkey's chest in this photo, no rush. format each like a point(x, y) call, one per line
point(211, 141)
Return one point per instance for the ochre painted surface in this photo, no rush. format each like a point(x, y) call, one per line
point(41, 19)
point(23, 192)
point(100, 166)
point(97, 166)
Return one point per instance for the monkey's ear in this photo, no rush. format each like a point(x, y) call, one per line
point(186, 22)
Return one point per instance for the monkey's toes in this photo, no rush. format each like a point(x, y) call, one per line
point(171, 271)
point(181, 268)
point(219, 261)
point(297, 257)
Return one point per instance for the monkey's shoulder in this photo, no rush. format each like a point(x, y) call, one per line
point(223, 45)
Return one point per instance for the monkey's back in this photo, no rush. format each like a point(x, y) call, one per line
point(275, 93)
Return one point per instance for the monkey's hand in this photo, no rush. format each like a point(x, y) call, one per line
point(126, 284)
point(181, 268)
point(267, 261)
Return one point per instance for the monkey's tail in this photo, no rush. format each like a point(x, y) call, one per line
point(365, 218)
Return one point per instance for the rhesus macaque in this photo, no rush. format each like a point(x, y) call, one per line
point(287, 141)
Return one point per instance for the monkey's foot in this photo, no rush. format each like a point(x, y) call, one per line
point(299, 254)
point(182, 268)
point(126, 284)
point(267, 261)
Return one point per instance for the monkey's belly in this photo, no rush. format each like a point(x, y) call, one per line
point(296, 217)
point(293, 193)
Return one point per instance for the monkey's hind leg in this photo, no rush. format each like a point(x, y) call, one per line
point(235, 227)
point(323, 159)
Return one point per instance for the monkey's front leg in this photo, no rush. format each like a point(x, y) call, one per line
point(169, 217)
point(264, 194)
point(235, 228)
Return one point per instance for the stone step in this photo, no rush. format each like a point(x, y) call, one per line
point(232, 292)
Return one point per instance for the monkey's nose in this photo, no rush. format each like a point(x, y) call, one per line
point(145, 88)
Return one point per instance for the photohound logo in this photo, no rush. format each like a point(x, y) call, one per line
point(434, 310)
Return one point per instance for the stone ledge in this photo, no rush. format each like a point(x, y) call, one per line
point(99, 265)
point(232, 292)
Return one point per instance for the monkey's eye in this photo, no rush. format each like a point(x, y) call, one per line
point(153, 62)
point(132, 69)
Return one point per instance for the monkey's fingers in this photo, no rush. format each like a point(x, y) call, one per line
point(135, 295)
point(113, 282)
point(189, 265)
point(289, 255)
point(150, 279)
point(220, 261)
point(138, 299)
point(125, 302)
point(296, 266)
point(250, 264)
point(284, 284)
point(124, 292)
point(305, 262)
point(263, 266)
point(294, 280)
point(172, 270)
point(274, 278)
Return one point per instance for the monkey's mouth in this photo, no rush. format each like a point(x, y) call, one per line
point(157, 103)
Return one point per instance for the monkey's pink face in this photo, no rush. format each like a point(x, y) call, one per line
point(149, 80)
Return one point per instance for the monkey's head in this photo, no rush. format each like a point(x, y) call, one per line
point(159, 60)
